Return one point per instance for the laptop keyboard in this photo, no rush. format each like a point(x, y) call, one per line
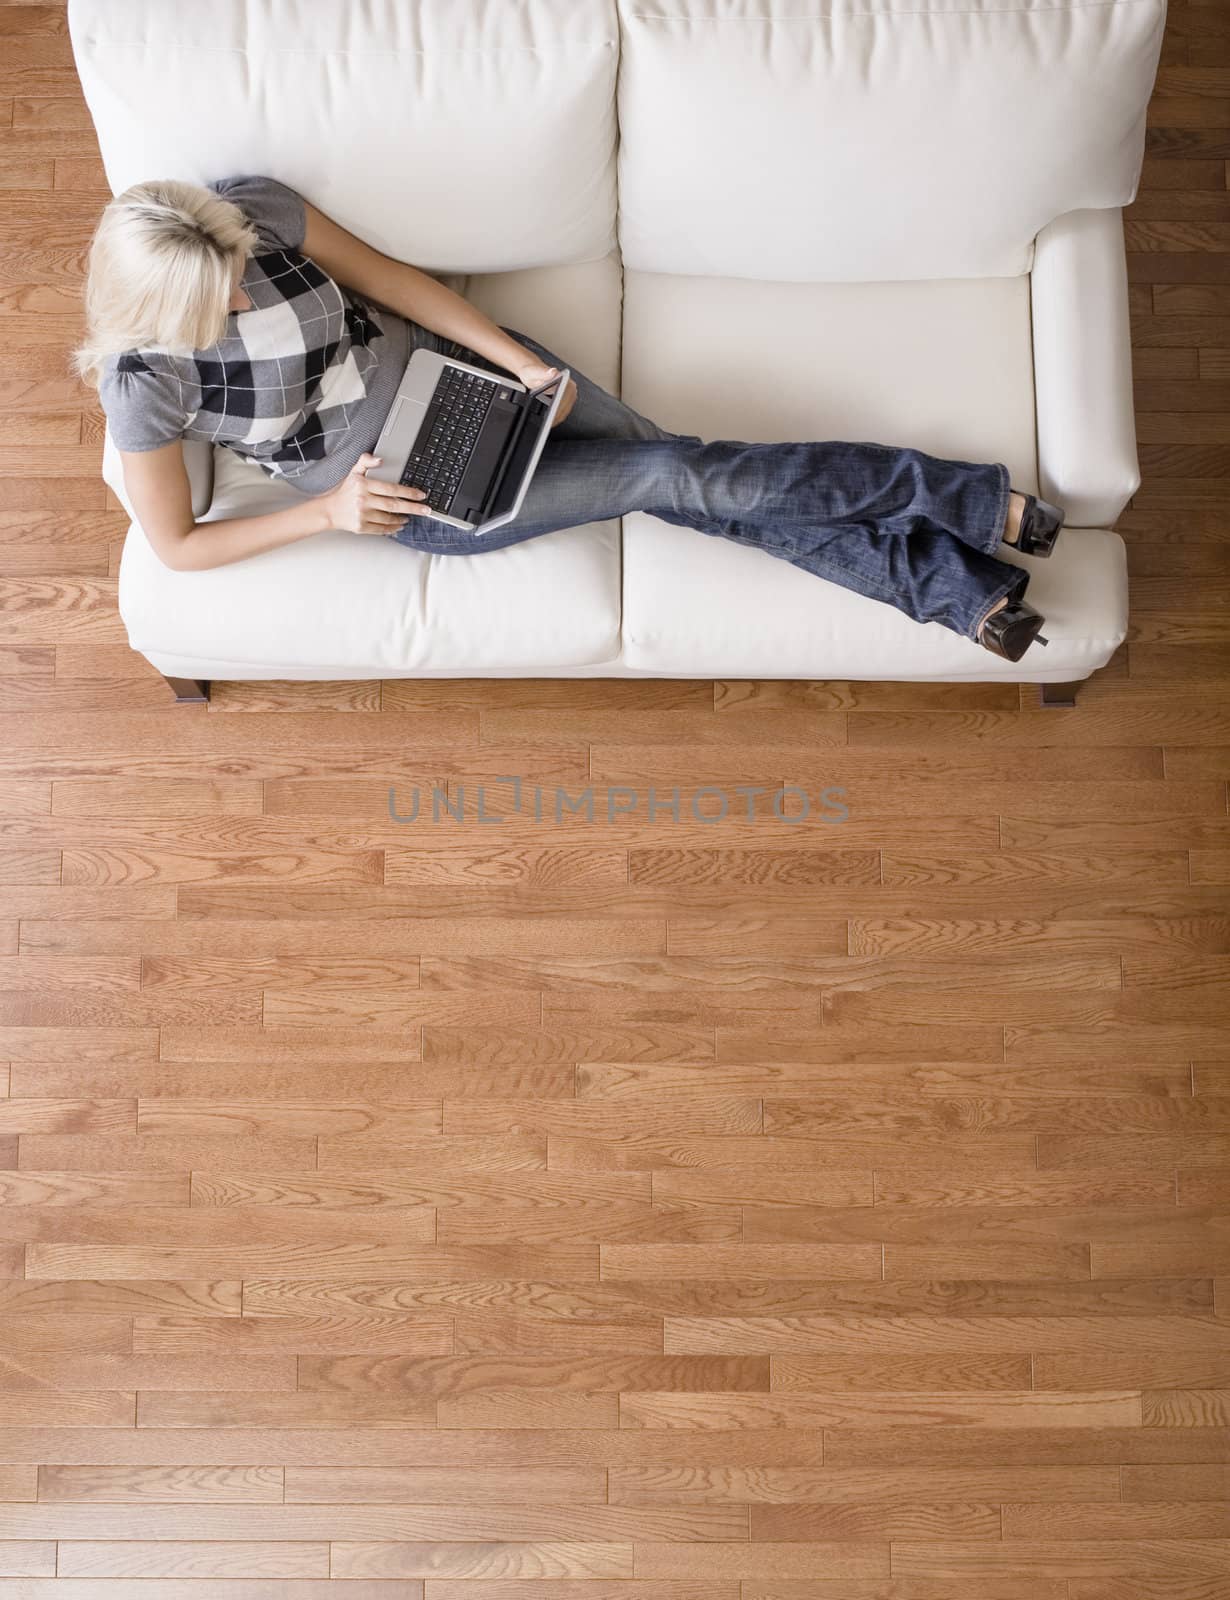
point(449, 433)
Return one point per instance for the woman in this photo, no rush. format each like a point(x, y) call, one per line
point(239, 313)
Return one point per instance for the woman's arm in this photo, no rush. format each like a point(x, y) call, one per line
point(158, 487)
point(404, 289)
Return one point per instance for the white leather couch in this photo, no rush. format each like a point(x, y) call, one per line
point(895, 220)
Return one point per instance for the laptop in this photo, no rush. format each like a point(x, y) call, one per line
point(468, 437)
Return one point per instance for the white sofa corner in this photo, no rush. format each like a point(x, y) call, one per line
point(755, 219)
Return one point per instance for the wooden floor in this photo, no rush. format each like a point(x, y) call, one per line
point(630, 1211)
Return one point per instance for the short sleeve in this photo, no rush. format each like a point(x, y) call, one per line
point(275, 210)
point(143, 410)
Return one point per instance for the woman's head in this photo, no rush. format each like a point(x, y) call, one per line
point(164, 269)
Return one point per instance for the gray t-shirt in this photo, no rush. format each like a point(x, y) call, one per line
point(301, 384)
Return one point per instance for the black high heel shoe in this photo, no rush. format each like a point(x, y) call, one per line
point(1040, 525)
point(1011, 630)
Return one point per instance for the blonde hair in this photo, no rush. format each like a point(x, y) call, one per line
point(161, 272)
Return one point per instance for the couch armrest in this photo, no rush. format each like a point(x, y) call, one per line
point(198, 462)
point(1083, 367)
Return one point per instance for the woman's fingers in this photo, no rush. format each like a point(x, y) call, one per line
point(377, 489)
point(390, 510)
point(394, 493)
point(382, 520)
point(566, 404)
point(379, 522)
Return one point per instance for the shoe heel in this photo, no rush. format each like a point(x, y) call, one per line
point(1041, 524)
point(1010, 631)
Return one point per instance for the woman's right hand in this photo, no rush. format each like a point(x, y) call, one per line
point(366, 505)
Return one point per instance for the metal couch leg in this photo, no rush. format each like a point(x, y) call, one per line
point(188, 691)
point(1060, 694)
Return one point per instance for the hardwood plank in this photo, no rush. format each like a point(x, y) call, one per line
point(492, 1045)
point(902, 1520)
point(1203, 1520)
point(100, 1410)
point(802, 975)
point(1183, 1369)
point(1175, 1483)
point(511, 1152)
point(1136, 1558)
point(151, 1152)
point(452, 1376)
point(475, 1560)
point(849, 1334)
point(1108, 1188)
point(582, 1589)
point(365, 1447)
point(738, 1262)
point(910, 1372)
point(160, 1485)
point(226, 1409)
point(881, 1409)
point(841, 1559)
point(443, 1485)
point(715, 1114)
point(116, 1558)
point(169, 1335)
point(487, 1332)
point(189, 1588)
point(27, 1558)
point(268, 1080)
point(82, 1373)
point(190, 1117)
point(522, 1409)
point(512, 1523)
point(816, 1486)
point(965, 1446)
point(87, 1298)
point(18, 1483)
point(397, 937)
point(763, 1152)
point(1186, 1408)
point(594, 1224)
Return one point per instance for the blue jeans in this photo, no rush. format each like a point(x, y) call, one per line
point(890, 522)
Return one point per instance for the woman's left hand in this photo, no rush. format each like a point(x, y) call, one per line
point(535, 373)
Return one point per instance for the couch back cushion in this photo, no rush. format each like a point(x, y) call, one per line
point(852, 140)
point(460, 135)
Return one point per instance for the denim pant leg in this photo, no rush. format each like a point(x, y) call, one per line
point(891, 523)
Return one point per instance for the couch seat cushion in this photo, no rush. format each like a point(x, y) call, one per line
point(341, 605)
point(943, 365)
